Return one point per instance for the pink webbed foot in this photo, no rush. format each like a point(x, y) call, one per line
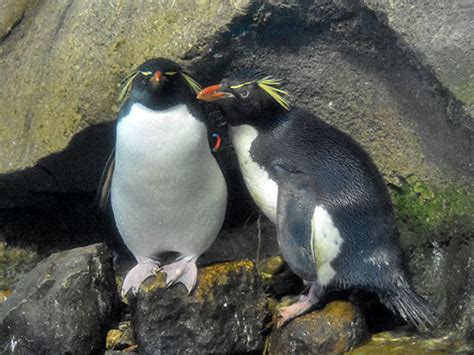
point(304, 304)
point(138, 274)
point(182, 271)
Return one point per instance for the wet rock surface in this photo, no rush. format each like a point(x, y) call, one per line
point(63, 305)
point(335, 329)
point(400, 343)
point(224, 314)
point(121, 338)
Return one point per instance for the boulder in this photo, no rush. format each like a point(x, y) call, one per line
point(335, 329)
point(445, 46)
point(64, 305)
point(224, 314)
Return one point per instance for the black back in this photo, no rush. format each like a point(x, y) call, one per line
point(344, 180)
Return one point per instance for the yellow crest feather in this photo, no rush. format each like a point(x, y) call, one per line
point(126, 83)
point(193, 84)
point(270, 86)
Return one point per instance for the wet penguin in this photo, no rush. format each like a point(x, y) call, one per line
point(334, 217)
point(167, 191)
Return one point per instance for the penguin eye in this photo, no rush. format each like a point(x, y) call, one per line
point(244, 94)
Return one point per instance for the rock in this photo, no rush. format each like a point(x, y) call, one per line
point(445, 45)
point(4, 294)
point(60, 66)
point(63, 305)
point(277, 278)
point(14, 262)
point(271, 266)
point(335, 329)
point(120, 352)
point(404, 343)
point(11, 14)
point(121, 338)
point(224, 314)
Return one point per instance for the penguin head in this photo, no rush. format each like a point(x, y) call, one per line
point(255, 102)
point(159, 83)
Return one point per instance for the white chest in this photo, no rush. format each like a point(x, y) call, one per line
point(158, 135)
point(262, 188)
point(168, 192)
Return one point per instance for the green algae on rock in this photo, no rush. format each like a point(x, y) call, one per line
point(429, 209)
point(401, 344)
point(121, 338)
point(271, 266)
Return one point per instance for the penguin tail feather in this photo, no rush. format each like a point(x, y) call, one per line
point(413, 309)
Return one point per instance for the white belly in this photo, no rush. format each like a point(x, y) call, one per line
point(262, 188)
point(168, 192)
point(326, 242)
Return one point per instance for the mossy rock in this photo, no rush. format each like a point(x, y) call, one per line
point(224, 313)
point(401, 344)
point(335, 329)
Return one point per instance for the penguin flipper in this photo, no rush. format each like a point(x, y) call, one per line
point(106, 183)
point(295, 209)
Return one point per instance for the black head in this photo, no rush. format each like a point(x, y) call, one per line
point(256, 102)
point(160, 83)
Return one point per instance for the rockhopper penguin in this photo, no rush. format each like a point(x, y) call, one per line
point(334, 217)
point(168, 193)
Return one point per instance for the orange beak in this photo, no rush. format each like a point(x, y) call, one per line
point(156, 77)
point(212, 93)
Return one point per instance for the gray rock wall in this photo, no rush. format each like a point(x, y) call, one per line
point(441, 35)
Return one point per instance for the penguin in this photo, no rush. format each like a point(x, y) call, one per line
point(335, 221)
point(167, 191)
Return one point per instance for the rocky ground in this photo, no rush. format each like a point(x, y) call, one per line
point(396, 75)
point(69, 303)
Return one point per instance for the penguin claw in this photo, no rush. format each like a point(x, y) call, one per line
point(291, 312)
point(182, 271)
point(137, 275)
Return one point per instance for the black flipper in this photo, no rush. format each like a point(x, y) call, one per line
point(413, 309)
point(103, 192)
point(295, 209)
